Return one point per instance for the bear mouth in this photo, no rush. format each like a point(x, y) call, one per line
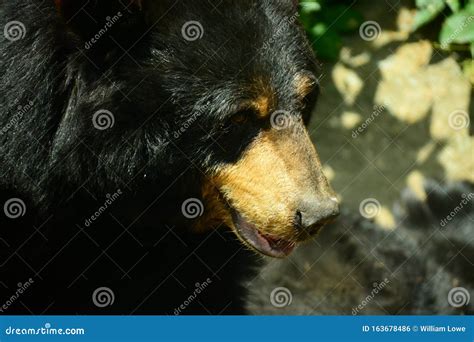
point(262, 243)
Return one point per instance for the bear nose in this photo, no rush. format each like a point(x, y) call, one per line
point(312, 215)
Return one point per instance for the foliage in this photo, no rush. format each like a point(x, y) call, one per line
point(457, 28)
point(325, 21)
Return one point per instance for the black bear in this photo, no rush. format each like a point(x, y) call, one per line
point(149, 150)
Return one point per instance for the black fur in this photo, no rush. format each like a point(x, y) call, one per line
point(53, 159)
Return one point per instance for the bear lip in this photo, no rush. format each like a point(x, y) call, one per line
point(262, 243)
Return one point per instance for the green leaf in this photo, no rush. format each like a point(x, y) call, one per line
point(453, 5)
point(472, 50)
point(469, 6)
point(318, 30)
point(308, 20)
point(341, 18)
point(328, 45)
point(309, 6)
point(428, 10)
point(458, 28)
point(428, 3)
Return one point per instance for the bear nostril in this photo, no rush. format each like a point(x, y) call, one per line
point(298, 219)
point(314, 216)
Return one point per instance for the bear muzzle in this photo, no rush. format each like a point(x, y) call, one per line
point(274, 196)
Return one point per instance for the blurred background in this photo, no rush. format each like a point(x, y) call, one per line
point(396, 94)
point(394, 114)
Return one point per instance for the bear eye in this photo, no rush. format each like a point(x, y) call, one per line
point(308, 103)
point(241, 117)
